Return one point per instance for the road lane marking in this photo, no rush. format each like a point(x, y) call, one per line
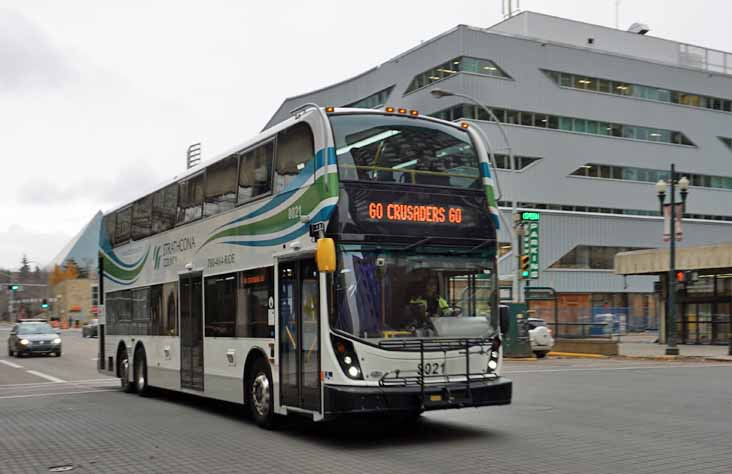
point(47, 377)
point(11, 364)
point(51, 394)
point(82, 382)
point(539, 371)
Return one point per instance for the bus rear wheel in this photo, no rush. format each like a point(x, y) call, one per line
point(141, 382)
point(261, 395)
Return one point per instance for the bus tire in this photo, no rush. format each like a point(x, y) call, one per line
point(123, 369)
point(260, 394)
point(141, 383)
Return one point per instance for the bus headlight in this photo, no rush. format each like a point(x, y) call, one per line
point(24, 342)
point(347, 357)
point(494, 354)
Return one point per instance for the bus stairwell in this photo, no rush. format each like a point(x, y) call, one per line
point(440, 389)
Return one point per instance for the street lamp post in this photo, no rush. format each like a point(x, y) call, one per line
point(683, 183)
point(440, 93)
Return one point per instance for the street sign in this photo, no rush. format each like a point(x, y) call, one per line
point(531, 246)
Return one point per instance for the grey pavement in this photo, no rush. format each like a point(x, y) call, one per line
point(644, 345)
point(569, 416)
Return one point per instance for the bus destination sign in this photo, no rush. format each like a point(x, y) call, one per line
point(398, 212)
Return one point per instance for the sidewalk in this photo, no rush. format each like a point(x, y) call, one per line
point(643, 346)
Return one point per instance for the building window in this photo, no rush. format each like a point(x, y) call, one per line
point(569, 124)
point(484, 67)
point(607, 210)
point(503, 162)
point(220, 186)
point(727, 142)
point(255, 302)
point(255, 172)
point(220, 305)
point(295, 152)
point(628, 173)
point(591, 257)
point(373, 101)
point(657, 94)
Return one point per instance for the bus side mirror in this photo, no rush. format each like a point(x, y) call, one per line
point(325, 255)
point(505, 319)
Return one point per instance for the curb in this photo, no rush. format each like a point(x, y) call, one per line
point(665, 358)
point(521, 359)
point(578, 355)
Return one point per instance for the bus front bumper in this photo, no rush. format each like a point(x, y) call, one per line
point(342, 399)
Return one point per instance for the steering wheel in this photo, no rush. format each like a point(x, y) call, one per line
point(454, 311)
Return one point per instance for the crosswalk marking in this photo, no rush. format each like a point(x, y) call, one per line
point(45, 376)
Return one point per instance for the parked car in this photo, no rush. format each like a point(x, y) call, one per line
point(90, 328)
point(540, 337)
point(33, 337)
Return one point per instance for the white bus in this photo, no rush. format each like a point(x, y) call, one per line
point(341, 262)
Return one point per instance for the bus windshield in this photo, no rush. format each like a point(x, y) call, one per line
point(391, 293)
point(404, 150)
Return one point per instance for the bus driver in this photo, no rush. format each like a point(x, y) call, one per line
point(432, 303)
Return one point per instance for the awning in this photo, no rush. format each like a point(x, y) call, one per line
point(650, 262)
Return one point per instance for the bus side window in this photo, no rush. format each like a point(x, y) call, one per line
point(255, 172)
point(190, 199)
point(255, 300)
point(165, 203)
point(170, 310)
point(109, 221)
point(122, 230)
point(294, 150)
point(220, 187)
point(141, 218)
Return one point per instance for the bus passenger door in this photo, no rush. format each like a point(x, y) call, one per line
point(299, 334)
point(191, 331)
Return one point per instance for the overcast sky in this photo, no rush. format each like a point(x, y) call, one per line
point(99, 103)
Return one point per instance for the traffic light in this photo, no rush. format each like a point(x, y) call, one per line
point(681, 276)
point(524, 266)
point(14, 287)
point(44, 304)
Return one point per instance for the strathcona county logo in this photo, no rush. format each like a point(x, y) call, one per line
point(167, 253)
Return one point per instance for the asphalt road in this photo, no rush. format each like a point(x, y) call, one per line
point(568, 416)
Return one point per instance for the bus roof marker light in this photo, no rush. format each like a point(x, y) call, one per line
point(402, 110)
point(413, 113)
point(390, 109)
point(464, 125)
point(329, 109)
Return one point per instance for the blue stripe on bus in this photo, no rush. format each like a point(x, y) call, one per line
point(485, 170)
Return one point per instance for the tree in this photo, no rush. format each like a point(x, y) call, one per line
point(71, 270)
point(56, 276)
point(25, 270)
point(37, 275)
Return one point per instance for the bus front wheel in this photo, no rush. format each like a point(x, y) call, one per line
point(261, 395)
point(124, 372)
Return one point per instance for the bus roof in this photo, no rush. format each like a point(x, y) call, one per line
point(264, 135)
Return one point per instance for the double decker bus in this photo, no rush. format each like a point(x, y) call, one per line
point(341, 262)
